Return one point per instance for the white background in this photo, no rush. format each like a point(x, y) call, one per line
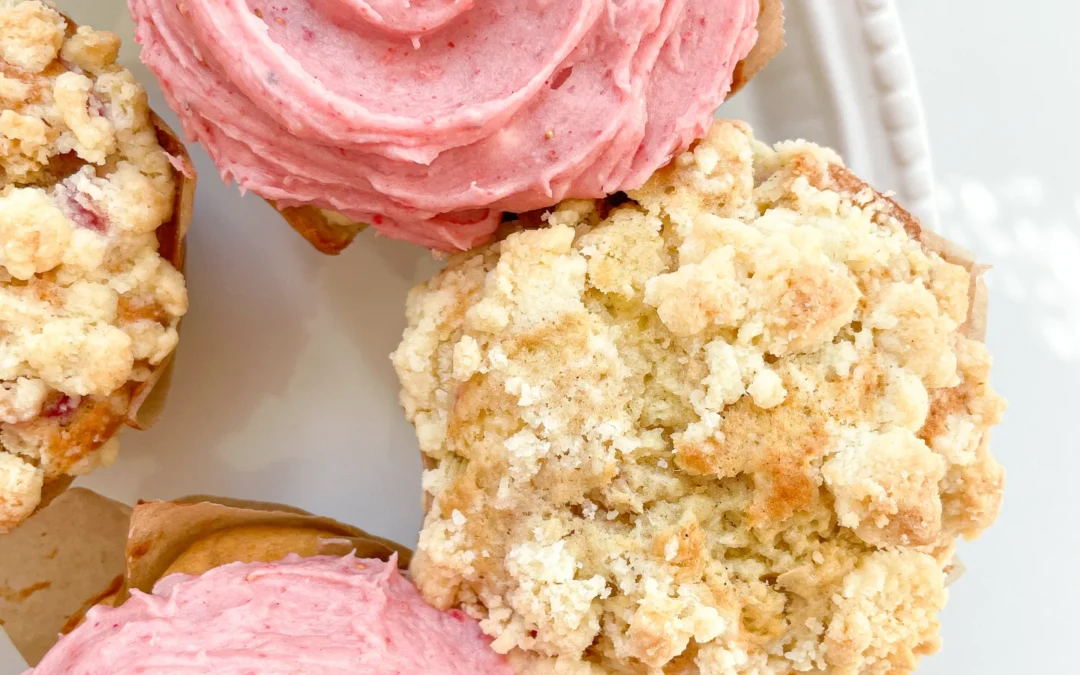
point(284, 390)
point(1001, 86)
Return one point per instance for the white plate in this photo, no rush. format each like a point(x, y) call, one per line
point(284, 390)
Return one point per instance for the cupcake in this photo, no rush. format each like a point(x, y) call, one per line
point(429, 120)
point(241, 590)
point(95, 198)
point(731, 422)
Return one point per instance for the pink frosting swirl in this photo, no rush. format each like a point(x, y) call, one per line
point(318, 616)
point(429, 118)
point(403, 17)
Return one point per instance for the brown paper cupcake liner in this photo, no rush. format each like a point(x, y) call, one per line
point(85, 550)
point(148, 397)
point(195, 534)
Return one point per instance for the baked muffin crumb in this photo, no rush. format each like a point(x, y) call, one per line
point(87, 305)
point(733, 425)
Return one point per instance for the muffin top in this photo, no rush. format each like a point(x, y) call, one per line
point(731, 424)
point(87, 304)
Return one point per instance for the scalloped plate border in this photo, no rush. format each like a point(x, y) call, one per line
point(894, 138)
point(846, 80)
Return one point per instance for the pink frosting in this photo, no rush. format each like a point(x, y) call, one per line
point(430, 118)
point(316, 616)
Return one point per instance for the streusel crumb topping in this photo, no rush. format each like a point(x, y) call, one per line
point(732, 425)
point(87, 305)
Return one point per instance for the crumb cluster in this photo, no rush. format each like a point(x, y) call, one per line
point(732, 425)
point(87, 305)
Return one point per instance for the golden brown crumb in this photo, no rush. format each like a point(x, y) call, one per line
point(731, 426)
point(87, 304)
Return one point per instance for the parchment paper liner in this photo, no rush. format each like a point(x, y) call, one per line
point(84, 550)
point(331, 233)
point(148, 398)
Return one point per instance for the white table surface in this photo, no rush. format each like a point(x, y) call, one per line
point(1000, 84)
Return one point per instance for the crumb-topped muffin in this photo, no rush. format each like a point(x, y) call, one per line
point(734, 424)
point(88, 306)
